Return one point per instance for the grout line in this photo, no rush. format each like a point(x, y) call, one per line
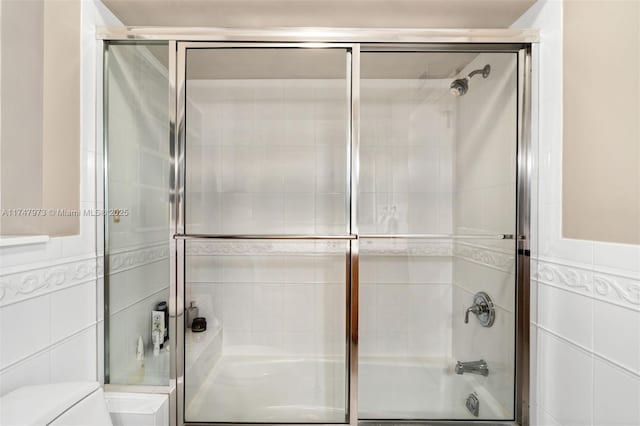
point(494, 249)
point(549, 414)
point(141, 247)
point(599, 269)
point(588, 296)
point(47, 348)
point(124, 308)
point(496, 268)
point(565, 289)
point(46, 264)
point(471, 293)
point(591, 353)
point(139, 265)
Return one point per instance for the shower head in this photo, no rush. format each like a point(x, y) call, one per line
point(460, 86)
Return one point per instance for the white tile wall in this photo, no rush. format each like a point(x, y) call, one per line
point(406, 146)
point(587, 324)
point(64, 321)
point(279, 147)
point(30, 318)
point(566, 314)
point(66, 365)
point(622, 345)
point(138, 147)
point(616, 396)
point(405, 308)
point(45, 308)
point(475, 276)
point(33, 371)
point(270, 302)
point(267, 156)
point(126, 325)
point(48, 291)
point(566, 381)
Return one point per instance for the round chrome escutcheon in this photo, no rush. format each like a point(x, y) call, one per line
point(487, 314)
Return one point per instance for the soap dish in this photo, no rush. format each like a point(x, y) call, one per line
point(199, 325)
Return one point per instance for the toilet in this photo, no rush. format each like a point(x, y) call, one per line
point(59, 404)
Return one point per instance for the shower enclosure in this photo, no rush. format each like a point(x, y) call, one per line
point(348, 212)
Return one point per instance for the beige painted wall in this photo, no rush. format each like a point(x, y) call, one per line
point(601, 145)
point(40, 114)
point(61, 114)
point(21, 113)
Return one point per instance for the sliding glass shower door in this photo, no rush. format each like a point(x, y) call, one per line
point(347, 248)
point(436, 219)
point(267, 206)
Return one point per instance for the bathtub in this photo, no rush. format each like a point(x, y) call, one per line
point(303, 389)
point(392, 388)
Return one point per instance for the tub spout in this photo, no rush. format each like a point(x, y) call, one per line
point(474, 367)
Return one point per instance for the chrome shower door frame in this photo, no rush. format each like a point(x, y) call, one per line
point(181, 235)
point(509, 40)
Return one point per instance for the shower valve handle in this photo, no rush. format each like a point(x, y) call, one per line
point(482, 308)
point(476, 309)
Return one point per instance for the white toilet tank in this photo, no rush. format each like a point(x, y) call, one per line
point(59, 404)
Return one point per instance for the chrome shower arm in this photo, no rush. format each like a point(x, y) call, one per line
point(485, 71)
point(460, 86)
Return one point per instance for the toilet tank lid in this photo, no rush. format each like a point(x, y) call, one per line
point(41, 404)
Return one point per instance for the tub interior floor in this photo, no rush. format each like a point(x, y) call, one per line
point(286, 390)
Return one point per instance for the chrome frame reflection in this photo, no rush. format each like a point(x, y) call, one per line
point(354, 261)
point(173, 223)
point(523, 243)
point(101, 221)
point(180, 226)
point(99, 205)
point(514, 41)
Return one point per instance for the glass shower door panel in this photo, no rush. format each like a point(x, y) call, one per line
point(274, 349)
point(267, 148)
point(267, 141)
point(137, 142)
point(438, 189)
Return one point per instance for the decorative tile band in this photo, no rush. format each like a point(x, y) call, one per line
point(266, 248)
point(577, 279)
point(43, 279)
point(486, 256)
point(134, 258)
point(609, 287)
point(35, 282)
point(407, 248)
point(263, 248)
point(617, 289)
